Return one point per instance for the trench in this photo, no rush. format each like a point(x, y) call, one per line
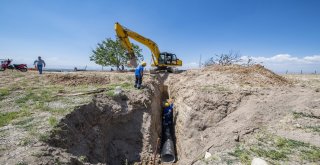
point(168, 139)
point(118, 130)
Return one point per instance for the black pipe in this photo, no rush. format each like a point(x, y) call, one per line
point(167, 152)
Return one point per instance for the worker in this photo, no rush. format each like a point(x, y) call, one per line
point(167, 114)
point(139, 74)
point(39, 64)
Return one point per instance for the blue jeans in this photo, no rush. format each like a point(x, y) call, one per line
point(167, 120)
point(40, 69)
point(138, 81)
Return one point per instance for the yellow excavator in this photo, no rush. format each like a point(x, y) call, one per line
point(162, 61)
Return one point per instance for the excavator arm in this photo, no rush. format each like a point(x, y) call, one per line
point(123, 34)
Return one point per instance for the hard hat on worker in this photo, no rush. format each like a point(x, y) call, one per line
point(143, 63)
point(166, 104)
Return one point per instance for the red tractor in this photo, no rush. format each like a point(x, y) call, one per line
point(6, 64)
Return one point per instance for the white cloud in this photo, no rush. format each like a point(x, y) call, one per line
point(280, 58)
point(284, 62)
point(287, 58)
point(315, 58)
point(190, 65)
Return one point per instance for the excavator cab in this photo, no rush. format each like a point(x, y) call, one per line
point(169, 59)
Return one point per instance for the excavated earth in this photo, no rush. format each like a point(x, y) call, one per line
point(220, 107)
point(112, 129)
point(215, 110)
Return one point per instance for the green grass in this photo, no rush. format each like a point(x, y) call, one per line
point(83, 159)
point(314, 128)
point(18, 74)
point(24, 121)
point(110, 93)
point(59, 111)
point(35, 96)
point(276, 149)
point(283, 143)
point(301, 114)
point(6, 118)
point(125, 85)
point(3, 133)
point(52, 121)
point(4, 92)
point(243, 154)
point(22, 163)
point(311, 155)
point(269, 153)
point(25, 141)
point(43, 137)
point(9, 117)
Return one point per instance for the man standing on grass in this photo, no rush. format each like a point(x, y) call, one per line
point(139, 74)
point(39, 64)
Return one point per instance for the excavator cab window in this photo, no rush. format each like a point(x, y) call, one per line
point(174, 59)
point(161, 59)
point(168, 59)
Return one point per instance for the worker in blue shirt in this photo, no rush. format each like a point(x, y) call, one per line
point(39, 64)
point(139, 74)
point(167, 114)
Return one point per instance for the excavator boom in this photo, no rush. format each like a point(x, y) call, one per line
point(124, 34)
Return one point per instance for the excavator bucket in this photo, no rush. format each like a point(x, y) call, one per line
point(132, 63)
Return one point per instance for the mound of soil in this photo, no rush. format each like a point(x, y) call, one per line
point(72, 79)
point(254, 75)
point(218, 107)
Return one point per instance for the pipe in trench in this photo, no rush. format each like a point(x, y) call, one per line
point(167, 152)
point(168, 146)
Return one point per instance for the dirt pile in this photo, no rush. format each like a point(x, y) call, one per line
point(198, 110)
point(87, 78)
point(219, 107)
point(252, 75)
point(75, 79)
point(113, 129)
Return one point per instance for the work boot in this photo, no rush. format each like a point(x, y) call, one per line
point(139, 87)
point(135, 85)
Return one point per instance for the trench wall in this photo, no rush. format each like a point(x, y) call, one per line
point(113, 130)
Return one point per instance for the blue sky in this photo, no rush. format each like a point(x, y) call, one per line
point(283, 34)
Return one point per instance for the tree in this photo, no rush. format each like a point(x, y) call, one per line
point(210, 62)
point(248, 61)
point(228, 58)
point(224, 59)
point(111, 53)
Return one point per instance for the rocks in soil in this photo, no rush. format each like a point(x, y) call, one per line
point(258, 161)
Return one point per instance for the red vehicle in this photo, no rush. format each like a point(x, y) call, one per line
point(6, 64)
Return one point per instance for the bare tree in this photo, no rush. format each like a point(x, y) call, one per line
point(210, 62)
point(249, 62)
point(228, 58)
